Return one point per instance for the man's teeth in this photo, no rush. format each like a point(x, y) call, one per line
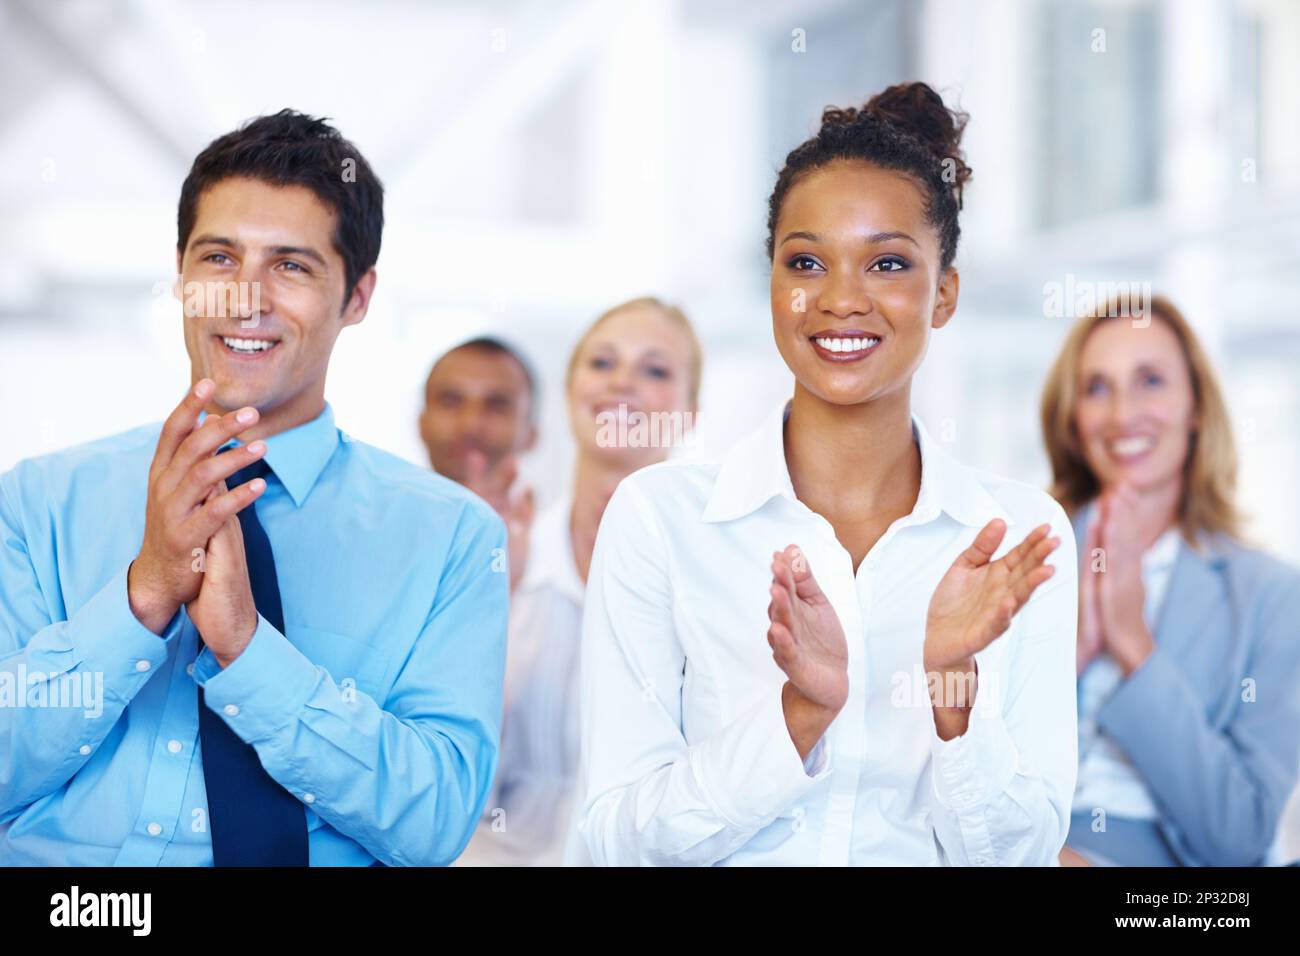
point(847, 345)
point(1132, 446)
point(247, 345)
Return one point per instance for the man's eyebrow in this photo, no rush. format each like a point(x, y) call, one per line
point(210, 240)
point(305, 251)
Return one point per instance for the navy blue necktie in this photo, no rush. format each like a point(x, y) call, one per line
point(253, 820)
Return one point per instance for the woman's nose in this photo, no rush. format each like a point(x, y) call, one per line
point(621, 379)
point(842, 295)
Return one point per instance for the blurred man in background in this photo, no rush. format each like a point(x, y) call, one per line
point(480, 414)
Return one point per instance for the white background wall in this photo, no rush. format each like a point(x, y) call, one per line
point(544, 161)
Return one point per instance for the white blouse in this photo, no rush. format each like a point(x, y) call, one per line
point(528, 816)
point(686, 758)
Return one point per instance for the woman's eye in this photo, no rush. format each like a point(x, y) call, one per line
point(1151, 379)
point(655, 371)
point(601, 363)
point(892, 264)
point(1094, 387)
point(803, 263)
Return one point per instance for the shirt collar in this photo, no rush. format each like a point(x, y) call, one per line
point(1163, 552)
point(754, 472)
point(298, 456)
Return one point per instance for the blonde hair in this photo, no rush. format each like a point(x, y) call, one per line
point(670, 312)
point(1210, 472)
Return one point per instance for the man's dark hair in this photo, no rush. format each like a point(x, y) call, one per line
point(496, 346)
point(292, 149)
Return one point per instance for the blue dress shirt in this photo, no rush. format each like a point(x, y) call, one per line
point(379, 707)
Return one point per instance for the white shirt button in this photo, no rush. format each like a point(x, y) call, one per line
point(154, 829)
point(142, 666)
point(84, 749)
point(231, 710)
point(174, 746)
point(189, 669)
point(309, 798)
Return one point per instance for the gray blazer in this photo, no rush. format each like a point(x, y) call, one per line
point(1220, 765)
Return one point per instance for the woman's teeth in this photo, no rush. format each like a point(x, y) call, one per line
point(1136, 445)
point(847, 345)
point(247, 346)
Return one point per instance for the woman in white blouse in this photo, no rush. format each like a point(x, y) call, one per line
point(824, 648)
point(638, 363)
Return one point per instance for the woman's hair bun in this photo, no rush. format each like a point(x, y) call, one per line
point(915, 108)
point(906, 128)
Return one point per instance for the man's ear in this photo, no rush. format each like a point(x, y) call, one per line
point(356, 308)
point(945, 303)
point(530, 442)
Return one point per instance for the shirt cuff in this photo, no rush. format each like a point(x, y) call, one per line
point(751, 770)
point(105, 636)
point(1125, 716)
point(973, 768)
point(263, 689)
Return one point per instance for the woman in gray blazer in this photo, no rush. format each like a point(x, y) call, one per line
point(1189, 640)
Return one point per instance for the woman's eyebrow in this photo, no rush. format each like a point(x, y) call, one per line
point(874, 239)
point(887, 236)
point(1150, 365)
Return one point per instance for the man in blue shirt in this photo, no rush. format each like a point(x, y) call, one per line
point(243, 637)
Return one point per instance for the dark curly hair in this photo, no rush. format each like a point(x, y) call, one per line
point(293, 149)
point(906, 128)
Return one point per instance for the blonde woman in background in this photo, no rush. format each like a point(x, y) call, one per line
point(1189, 641)
point(640, 358)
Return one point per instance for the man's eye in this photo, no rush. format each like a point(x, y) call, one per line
point(892, 264)
point(214, 256)
point(296, 266)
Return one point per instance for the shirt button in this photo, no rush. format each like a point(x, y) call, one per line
point(189, 669)
point(154, 829)
point(84, 749)
point(309, 798)
point(231, 710)
point(174, 746)
point(142, 666)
